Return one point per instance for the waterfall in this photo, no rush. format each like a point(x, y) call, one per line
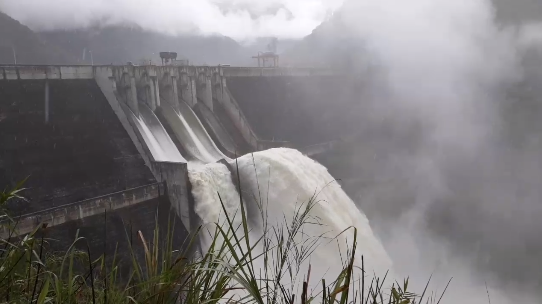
point(212, 186)
point(279, 183)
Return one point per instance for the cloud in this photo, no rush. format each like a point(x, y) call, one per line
point(239, 19)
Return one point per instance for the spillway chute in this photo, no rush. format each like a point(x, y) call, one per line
point(190, 132)
point(154, 135)
point(216, 130)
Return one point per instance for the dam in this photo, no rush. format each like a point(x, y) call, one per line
point(106, 148)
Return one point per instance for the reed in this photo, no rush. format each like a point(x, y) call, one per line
point(225, 271)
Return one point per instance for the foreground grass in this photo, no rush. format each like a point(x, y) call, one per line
point(224, 272)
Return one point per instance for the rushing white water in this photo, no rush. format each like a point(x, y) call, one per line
point(211, 185)
point(283, 181)
point(197, 142)
point(155, 136)
point(160, 146)
point(190, 132)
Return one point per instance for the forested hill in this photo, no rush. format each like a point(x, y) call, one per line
point(121, 44)
point(28, 47)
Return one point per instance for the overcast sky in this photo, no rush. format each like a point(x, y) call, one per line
point(239, 19)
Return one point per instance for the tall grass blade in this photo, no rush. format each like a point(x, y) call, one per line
point(44, 291)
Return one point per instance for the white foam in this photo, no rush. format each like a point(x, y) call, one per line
point(287, 180)
point(283, 181)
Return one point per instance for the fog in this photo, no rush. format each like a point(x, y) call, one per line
point(453, 100)
point(450, 121)
point(238, 19)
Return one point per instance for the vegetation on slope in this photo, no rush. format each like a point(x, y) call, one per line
point(121, 44)
point(30, 274)
point(115, 45)
point(20, 42)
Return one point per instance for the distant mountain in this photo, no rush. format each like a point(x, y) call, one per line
point(121, 44)
point(114, 45)
point(18, 41)
point(330, 44)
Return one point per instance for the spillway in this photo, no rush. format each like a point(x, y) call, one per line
point(275, 186)
point(155, 136)
point(218, 132)
point(282, 182)
point(190, 132)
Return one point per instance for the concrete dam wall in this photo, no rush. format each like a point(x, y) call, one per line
point(73, 149)
point(84, 171)
point(118, 139)
point(303, 110)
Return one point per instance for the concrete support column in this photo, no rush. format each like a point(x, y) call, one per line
point(46, 101)
point(175, 175)
point(193, 90)
point(186, 90)
point(152, 96)
point(217, 92)
point(204, 89)
point(208, 93)
point(219, 83)
point(133, 96)
point(175, 91)
point(156, 91)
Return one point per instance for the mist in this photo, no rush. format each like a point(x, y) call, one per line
point(239, 19)
point(453, 105)
point(449, 120)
